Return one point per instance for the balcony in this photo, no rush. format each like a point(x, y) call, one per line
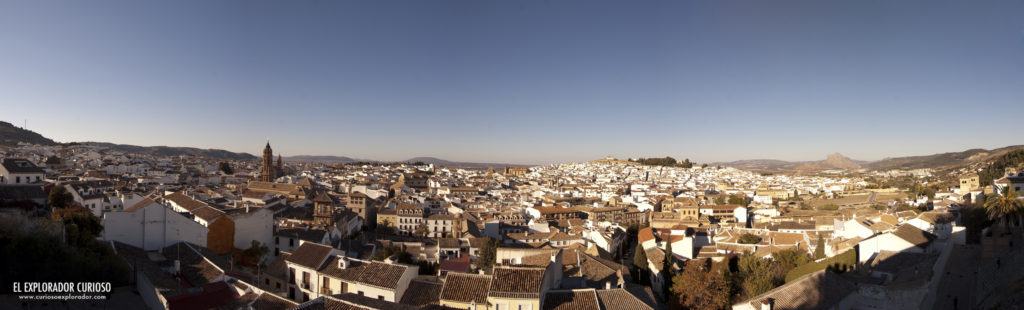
point(326, 291)
point(305, 285)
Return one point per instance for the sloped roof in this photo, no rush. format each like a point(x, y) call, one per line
point(516, 282)
point(819, 290)
point(585, 299)
point(310, 255)
point(465, 287)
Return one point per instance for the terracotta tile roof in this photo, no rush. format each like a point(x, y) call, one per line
point(208, 213)
point(197, 270)
point(185, 202)
point(819, 290)
point(936, 217)
point(271, 301)
point(516, 282)
point(422, 293)
point(139, 205)
point(465, 287)
point(381, 275)
point(914, 235)
point(620, 299)
point(310, 255)
point(585, 299)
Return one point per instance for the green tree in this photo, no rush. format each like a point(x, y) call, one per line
point(226, 168)
point(81, 228)
point(747, 238)
point(819, 250)
point(738, 200)
point(59, 197)
point(720, 200)
point(640, 262)
point(666, 269)
point(1004, 206)
point(421, 230)
point(384, 228)
point(698, 288)
point(759, 275)
point(790, 258)
point(256, 251)
point(487, 255)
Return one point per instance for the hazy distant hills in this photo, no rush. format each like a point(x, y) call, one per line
point(441, 162)
point(944, 160)
point(11, 136)
point(173, 151)
point(837, 161)
point(323, 159)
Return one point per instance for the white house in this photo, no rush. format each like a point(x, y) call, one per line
point(253, 224)
point(151, 226)
point(906, 238)
point(20, 171)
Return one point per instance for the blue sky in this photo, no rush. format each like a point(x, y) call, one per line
point(520, 81)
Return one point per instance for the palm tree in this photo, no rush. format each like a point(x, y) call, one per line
point(1004, 205)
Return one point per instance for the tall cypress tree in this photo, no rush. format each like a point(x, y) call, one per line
point(666, 269)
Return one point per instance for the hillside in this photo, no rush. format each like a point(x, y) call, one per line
point(11, 136)
point(323, 159)
point(832, 161)
point(944, 160)
point(441, 162)
point(174, 151)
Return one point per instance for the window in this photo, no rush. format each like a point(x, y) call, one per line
point(305, 297)
point(276, 240)
point(291, 242)
point(360, 293)
point(266, 281)
point(17, 179)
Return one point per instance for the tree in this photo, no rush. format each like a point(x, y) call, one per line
point(81, 228)
point(256, 251)
point(790, 258)
point(488, 251)
point(1005, 206)
point(226, 168)
point(747, 238)
point(640, 262)
point(738, 200)
point(59, 197)
point(759, 275)
point(720, 200)
point(421, 230)
point(384, 228)
point(819, 250)
point(666, 269)
point(700, 288)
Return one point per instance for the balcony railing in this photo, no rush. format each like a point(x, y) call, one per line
point(326, 291)
point(305, 285)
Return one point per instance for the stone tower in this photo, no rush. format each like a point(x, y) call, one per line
point(267, 174)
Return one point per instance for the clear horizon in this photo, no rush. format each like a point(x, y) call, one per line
point(520, 82)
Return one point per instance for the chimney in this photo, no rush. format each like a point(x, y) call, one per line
point(481, 271)
point(177, 267)
point(342, 262)
point(608, 285)
point(767, 304)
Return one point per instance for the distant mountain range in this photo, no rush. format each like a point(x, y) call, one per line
point(837, 161)
point(173, 151)
point(11, 135)
point(323, 159)
point(446, 163)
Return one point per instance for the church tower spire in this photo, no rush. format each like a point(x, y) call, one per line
point(267, 173)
